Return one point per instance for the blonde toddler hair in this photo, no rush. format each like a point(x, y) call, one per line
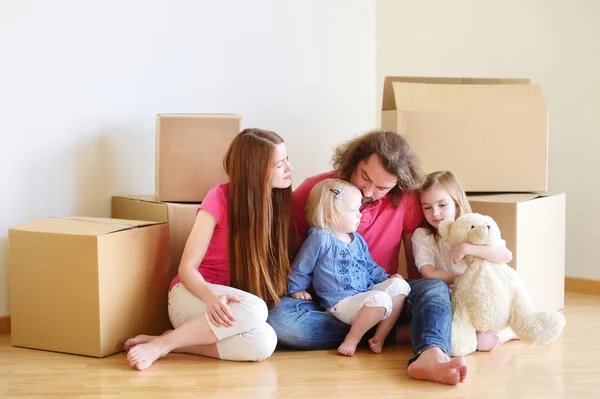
point(324, 199)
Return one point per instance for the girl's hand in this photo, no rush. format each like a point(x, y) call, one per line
point(457, 252)
point(217, 309)
point(302, 295)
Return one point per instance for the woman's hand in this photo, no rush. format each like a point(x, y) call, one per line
point(217, 309)
point(302, 295)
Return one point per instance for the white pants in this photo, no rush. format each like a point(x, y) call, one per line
point(249, 339)
point(379, 297)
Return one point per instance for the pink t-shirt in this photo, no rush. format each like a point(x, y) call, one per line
point(381, 225)
point(215, 265)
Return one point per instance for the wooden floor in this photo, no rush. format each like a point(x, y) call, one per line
point(568, 368)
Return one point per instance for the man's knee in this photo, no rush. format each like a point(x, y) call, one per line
point(429, 289)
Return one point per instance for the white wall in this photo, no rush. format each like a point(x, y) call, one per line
point(553, 42)
point(81, 82)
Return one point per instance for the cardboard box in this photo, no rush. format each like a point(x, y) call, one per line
point(492, 133)
point(181, 218)
point(84, 285)
point(533, 226)
point(189, 154)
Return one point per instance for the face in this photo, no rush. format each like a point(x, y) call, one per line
point(349, 207)
point(437, 205)
point(281, 172)
point(372, 180)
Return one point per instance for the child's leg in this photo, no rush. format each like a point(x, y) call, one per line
point(362, 311)
point(487, 341)
point(367, 317)
point(398, 289)
point(385, 326)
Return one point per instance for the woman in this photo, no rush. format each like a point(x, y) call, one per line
point(235, 261)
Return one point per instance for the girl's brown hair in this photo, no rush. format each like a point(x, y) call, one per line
point(448, 182)
point(258, 217)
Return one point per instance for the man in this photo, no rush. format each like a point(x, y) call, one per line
point(384, 168)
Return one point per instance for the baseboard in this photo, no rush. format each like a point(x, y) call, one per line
point(582, 286)
point(4, 325)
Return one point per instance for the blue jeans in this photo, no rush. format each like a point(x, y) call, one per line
point(302, 324)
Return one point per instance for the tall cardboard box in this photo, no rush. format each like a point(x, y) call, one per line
point(180, 216)
point(84, 285)
point(493, 133)
point(189, 154)
point(533, 226)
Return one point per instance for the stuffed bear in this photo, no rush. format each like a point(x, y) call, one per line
point(491, 296)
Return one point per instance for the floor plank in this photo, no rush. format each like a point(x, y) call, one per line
point(567, 368)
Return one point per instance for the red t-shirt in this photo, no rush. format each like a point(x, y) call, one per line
point(381, 225)
point(215, 265)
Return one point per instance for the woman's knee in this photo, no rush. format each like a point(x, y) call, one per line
point(253, 346)
point(251, 310)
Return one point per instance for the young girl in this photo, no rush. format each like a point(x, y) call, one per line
point(335, 257)
point(442, 197)
point(234, 261)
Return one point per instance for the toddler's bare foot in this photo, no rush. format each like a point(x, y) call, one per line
point(348, 347)
point(376, 344)
point(142, 356)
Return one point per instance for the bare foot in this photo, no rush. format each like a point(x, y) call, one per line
point(348, 347)
point(434, 365)
point(487, 341)
point(376, 344)
point(142, 356)
point(141, 339)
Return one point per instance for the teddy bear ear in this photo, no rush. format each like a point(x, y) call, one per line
point(444, 228)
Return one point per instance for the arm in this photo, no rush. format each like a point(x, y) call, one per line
point(429, 271)
point(497, 254)
point(411, 268)
point(302, 268)
point(377, 273)
point(193, 254)
point(412, 220)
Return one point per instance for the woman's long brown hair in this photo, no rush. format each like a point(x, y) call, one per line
point(258, 217)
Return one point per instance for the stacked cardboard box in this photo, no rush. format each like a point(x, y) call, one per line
point(84, 285)
point(189, 161)
point(493, 134)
